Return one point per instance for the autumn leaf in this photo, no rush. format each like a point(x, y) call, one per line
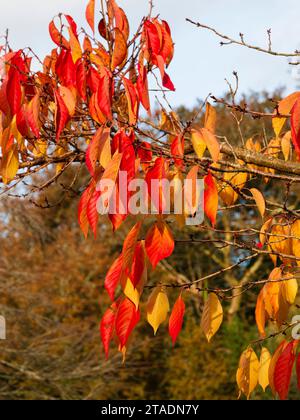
point(126, 320)
point(273, 364)
point(157, 308)
point(211, 199)
point(261, 314)
point(264, 364)
point(248, 372)
point(159, 243)
point(283, 370)
point(204, 137)
point(90, 14)
point(212, 316)
point(113, 277)
point(129, 246)
point(210, 118)
point(107, 325)
point(259, 200)
point(176, 319)
point(9, 164)
point(62, 115)
point(120, 50)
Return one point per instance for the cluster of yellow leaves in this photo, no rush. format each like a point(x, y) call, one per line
point(281, 236)
point(275, 299)
point(158, 308)
point(252, 371)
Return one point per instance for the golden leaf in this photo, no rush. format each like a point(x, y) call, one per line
point(286, 145)
point(260, 200)
point(157, 308)
point(247, 373)
point(264, 364)
point(212, 316)
point(210, 118)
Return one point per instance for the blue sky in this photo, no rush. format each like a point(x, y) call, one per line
point(200, 64)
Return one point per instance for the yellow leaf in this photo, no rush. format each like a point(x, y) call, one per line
point(210, 140)
point(10, 164)
point(263, 237)
point(247, 373)
point(286, 145)
point(157, 308)
point(198, 143)
point(264, 364)
point(210, 118)
point(278, 124)
point(289, 289)
point(130, 292)
point(212, 316)
point(260, 201)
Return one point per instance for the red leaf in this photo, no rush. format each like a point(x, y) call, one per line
point(113, 277)
point(72, 24)
point(177, 151)
point(62, 114)
point(153, 39)
point(295, 125)
point(127, 319)
point(138, 264)
point(104, 96)
point(142, 87)
point(283, 371)
point(32, 115)
point(211, 198)
point(107, 325)
point(82, 209)
point(92, 213)
point(81, 79)
point(176, 319)
point(14, 91)
point(157, 173)
point(159, 243)
point(145, 154)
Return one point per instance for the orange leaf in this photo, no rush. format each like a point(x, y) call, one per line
point(159, 243)
point(211, 198)
point(130, 245)
point(120, 50)
point(260, 201)
point(210, 118)
point(90, 14)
